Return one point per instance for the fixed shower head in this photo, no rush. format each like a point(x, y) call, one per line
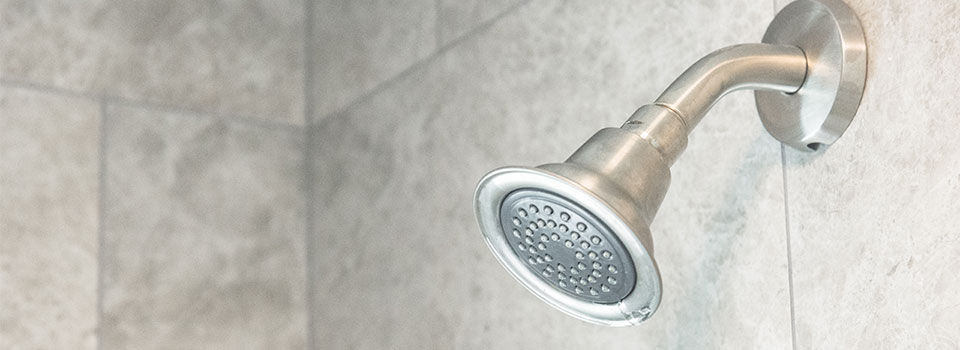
point(577, 234)
point(574, 235)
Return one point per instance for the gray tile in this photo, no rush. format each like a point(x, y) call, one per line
point(203, 242)
point(226, 57)
point(361, 44)
point(874, 217)
point(401, 263)
point(780, 4)
point(48, 220)
point(457, 17)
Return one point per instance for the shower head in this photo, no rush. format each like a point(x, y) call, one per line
point(576, 233)
point(575, 236)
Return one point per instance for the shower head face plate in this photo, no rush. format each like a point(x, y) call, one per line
point(636, 294)
point(566, 246)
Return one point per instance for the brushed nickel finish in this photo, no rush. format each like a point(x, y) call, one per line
point(832, 39)
point(809, 77)
point(779, 68)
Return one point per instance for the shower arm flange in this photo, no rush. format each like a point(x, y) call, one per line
point(808, 75)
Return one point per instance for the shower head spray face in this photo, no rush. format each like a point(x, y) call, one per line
point(567, 246)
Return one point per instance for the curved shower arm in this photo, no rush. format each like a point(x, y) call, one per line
point(680, 107)
point(738, 67)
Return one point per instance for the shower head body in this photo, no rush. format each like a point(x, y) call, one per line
point(576, 233)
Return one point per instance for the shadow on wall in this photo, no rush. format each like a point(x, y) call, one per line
point(717, 240)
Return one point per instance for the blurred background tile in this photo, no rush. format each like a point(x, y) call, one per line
point(359, 45)
point(48, 220)
point(874, 217)
point(458, 17)
point(240, 57)
point(402, 263)
point(204, 229)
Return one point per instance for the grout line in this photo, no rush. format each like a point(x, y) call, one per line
point(437, 20)
point(48, 89)
point(101, 217)
point(482, 27)
point(167, 108)
point(786, 215)
point(309, 236)
point(308, 190)
point(786, 219)
point(236, 119)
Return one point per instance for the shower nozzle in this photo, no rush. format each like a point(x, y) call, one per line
point(576, 233)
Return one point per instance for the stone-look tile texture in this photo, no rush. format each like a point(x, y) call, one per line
point(203, 238)
point(400, 261)
point(873, 219)
point(360, 44)
point(457, 17)
point(242, 57)
point(48, 221)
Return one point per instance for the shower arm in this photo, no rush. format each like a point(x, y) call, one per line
point(667, 122)
point(739, 67)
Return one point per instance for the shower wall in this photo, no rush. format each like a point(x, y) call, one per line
point(874, 221)
point(759, 246)
point(298, 174)
point(401, 263)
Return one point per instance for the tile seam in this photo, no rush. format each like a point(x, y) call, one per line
point(166, 108)
point(437, 20)
point(786, 219)
point(101, 218)
point(786, 216)
point(308, 192)
point(426, 61)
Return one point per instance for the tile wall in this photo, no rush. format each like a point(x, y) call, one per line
point(298, 174)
